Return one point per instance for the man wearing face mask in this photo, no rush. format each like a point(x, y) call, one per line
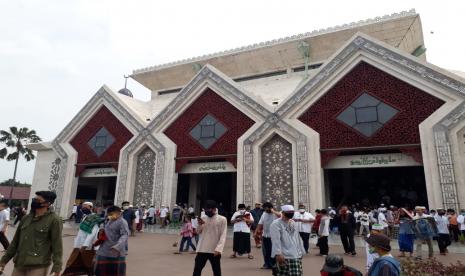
point(37, 242)
point(212, 230)
point(287, 246)
point(263, 231)
point(386, 264)
point(80, 260)
point(442, 224)
point(304, 221)
point(347, 229)
point(130, 216)
point(241, 239)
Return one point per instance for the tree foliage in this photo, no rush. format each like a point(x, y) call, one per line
point(16, 139)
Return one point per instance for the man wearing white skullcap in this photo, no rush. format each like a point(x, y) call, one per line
point(287, 246)
point(424, 231)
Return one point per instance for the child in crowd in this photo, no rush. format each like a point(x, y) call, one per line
point(323, 233)
point(187, 233)
point(376, 229)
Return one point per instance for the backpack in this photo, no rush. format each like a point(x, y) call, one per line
point(380, 262)
point(424, 229)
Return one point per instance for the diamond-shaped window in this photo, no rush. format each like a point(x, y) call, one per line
point(367, 114)
point(101, 141)
point(208, 131)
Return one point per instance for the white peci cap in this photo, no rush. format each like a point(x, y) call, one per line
point(287, 208)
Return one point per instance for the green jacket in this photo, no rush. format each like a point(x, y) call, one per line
point(37, 242)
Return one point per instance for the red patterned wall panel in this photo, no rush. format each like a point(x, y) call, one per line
point(236, 122)
point(413, 104)
point(102, 118)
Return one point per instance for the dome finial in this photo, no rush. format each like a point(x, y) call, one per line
point(124, 90)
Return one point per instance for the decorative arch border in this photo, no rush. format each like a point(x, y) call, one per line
point(268, 129)
point(143, 139)
point(427, 72)
point(208, 76)
point(102, 97)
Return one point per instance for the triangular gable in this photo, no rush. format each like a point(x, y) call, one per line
point(104, 95)
point(227, 89)
point(383, 51)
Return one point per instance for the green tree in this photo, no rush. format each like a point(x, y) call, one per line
point(16, 139)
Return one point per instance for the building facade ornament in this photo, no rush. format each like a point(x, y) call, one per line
point(101, 96)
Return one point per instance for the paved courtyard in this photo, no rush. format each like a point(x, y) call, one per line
point(152, 254)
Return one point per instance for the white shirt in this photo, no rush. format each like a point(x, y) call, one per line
point(382, 220)
point(4, 218)
point(461, 220)
point(151, 212)
point(332, 213)
point(266, 219)
point(324, 226)
point(163, 212)
point(286, 240)
point(85, 239)
point(371, 257)
point(364, 219)
point(442, 223)
point(304, 226)
point(74, 209)
point(195, 223)
point(136, 221)
point(190, 210)
point(357, 216)
point(241, 226)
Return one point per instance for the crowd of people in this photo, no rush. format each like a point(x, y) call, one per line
point(284, 236)
point(101, 244)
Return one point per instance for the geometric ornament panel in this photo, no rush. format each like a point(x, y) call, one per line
point(101, 141)
point(208, 131)
point(277, 178)
point(367, 114)
point(145, 172)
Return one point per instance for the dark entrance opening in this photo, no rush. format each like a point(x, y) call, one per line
point(399, 186)
point(195, 189)
point(96, 189)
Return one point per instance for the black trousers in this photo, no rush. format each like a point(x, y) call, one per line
point(347, 238)
point(4, 240)
point(266, 250)
point(455, 232)
point(202, 258)
point(305, 237)
point(323, 244)
point(443, 242)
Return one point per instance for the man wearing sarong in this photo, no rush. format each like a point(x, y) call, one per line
point(241, 239)
point(81, 259)
point(287, 246)
point(111, 255)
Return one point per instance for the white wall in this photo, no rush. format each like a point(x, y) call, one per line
point(41, 178)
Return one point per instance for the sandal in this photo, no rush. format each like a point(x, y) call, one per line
point(233, 256)
point(250, 257)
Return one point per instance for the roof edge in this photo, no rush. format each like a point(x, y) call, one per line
point(273, 42)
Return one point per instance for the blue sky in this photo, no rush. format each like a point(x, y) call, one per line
point(55, 55)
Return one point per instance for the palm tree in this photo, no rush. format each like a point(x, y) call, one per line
point(17, 139)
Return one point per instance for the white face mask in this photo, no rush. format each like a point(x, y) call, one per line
point(302, 210)
point(125, 207)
